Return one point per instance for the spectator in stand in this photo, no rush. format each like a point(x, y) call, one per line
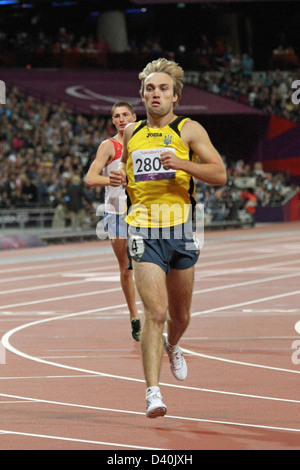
point(270, 92)
point(63, 39)
point(29, 189)
point(247, 65)
point(204, 52)
point(5, 201)
point(76, 202)
point(216, 207)
point(42, 191)
point(60, 213)
point(250, 201)
point(284, 58)
point(236, 65)
point(101, 45)
point(18, 199)
point(227, 57)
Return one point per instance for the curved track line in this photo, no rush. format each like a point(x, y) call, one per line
point(8, 346)
point(6, 343)
point(240, 363)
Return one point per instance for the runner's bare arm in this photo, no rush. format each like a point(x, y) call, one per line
point(104, 155)
point(118, 177)
point(210, 169)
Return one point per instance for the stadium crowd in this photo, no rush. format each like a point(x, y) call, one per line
point(248, 187)
point(269, 91)
point(45, 151)
point(223, 71)
point(44, 154)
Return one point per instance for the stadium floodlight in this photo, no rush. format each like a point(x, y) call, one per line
point(8, 2)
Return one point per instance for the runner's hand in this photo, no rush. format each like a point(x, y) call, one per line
point(117, 178)
point(170, 161)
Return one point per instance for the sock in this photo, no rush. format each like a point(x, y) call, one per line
point(170, 347)
point(153, 389)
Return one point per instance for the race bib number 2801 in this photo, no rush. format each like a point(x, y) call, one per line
point(148, 167)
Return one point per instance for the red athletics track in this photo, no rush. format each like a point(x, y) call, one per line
point(71, 376)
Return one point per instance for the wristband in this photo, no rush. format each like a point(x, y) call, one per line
point(122, 166)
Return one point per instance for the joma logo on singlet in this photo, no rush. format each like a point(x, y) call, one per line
point(154, 134)
point(167, 138)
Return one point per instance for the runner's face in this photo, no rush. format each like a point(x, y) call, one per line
point(121, 117)
point(159, 97)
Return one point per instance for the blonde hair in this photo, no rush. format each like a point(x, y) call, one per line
point(163, 66)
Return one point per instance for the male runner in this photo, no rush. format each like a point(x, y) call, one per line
point(161, 157)
point(107, 159)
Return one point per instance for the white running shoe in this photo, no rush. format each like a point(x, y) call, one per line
point(177, 362)
point(154, 405)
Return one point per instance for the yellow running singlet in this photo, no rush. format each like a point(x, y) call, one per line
point(158, 197)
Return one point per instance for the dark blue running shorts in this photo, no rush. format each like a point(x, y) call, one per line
point(169, 248)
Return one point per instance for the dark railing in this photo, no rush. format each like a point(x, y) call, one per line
point(26, 218)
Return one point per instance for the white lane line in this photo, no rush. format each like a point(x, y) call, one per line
point(65, 272)
point(44, 377)
point(241, 304)
point(193, 314)
point(241, 424)
point(89, 375)
point(100, 260)
point(15, 402)
point(240, 363)
point(246, 258)
point(87, 280)
point(65, 264)
point(254, 236)
point(58, 256)
point(193, 419)
point(247, 283)
point(62, 297)
point(9, 334)
point(6, 343)
point(94, 273)
point(81, 441)
point(43, 286)
point(261, 268)
point(8, 346)
point(248, 302)
point(200, 268)
point(90, 293)
point(217, 252)
point(244, 241)
point(177, 386)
